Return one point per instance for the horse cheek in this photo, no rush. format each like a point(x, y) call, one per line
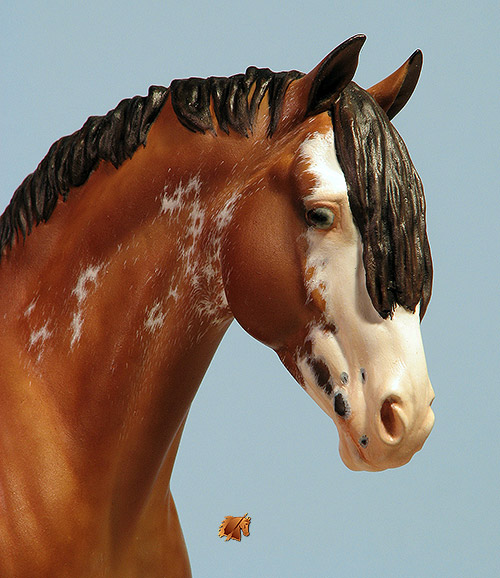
point(262, 263)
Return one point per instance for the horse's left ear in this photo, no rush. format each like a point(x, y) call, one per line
point(394, 92)
point(332, 75)
point(319, 89)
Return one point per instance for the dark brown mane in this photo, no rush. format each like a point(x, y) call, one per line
point(235, 100)
point(116, 136)
point(70, 161)
point(387, 202)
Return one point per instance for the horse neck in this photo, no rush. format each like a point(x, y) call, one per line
point(117, 311)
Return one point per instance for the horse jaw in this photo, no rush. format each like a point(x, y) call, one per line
point(368, 373)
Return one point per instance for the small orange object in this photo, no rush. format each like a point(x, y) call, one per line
point(232, 526)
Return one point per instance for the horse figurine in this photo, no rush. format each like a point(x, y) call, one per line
point(284, 200)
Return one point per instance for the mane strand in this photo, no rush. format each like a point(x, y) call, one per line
point(235, 100)
point(114, 137)
point(70, 161)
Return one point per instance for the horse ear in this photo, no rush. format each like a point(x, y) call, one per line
point(394, 92)
point(332, 75)
point(317, 91)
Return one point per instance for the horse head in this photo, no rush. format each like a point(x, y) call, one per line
point(327, 259)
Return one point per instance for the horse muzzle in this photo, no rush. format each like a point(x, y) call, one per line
point(373, 382)
point(383, 434)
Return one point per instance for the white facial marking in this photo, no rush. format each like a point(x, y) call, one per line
point(382, 358)
point(319, 151)
point(326, 347)
point(331, 257)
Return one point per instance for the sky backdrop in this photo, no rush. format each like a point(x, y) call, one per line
point(254, 441)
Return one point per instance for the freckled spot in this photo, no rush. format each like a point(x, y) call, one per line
point(340, 405)
point(173, 201)
point(173, 293)
point(330, 328)
point(30, 308)
point(87, 281)
point(87, 277)
point(321, 375)
point(198, 248)
point(37, 338)
point(155, 318)
point(363, 441)
point(76, 327)
point(309, 274)
point(308, 347)
point(317, 298)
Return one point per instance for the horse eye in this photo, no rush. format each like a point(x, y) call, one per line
point(321, 217)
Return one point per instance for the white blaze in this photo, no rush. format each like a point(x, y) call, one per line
point(388, 353)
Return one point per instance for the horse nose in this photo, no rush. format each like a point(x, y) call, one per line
point(385, 428)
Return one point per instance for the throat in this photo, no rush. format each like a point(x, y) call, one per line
point(155, 417)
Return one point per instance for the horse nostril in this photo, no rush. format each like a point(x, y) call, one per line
point(391, 419)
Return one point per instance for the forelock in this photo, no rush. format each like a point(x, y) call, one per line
point(387, 202)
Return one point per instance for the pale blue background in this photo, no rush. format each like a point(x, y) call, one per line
point(254, 441)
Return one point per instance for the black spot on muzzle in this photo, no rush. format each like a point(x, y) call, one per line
point(340, 405)
point(322, 375)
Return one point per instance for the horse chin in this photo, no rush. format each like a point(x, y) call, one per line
point(353, 459)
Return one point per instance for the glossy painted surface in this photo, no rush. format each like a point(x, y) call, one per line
point(113, 310)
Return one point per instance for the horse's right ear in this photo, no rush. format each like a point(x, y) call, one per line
point(393, 92)
point(317, 91)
